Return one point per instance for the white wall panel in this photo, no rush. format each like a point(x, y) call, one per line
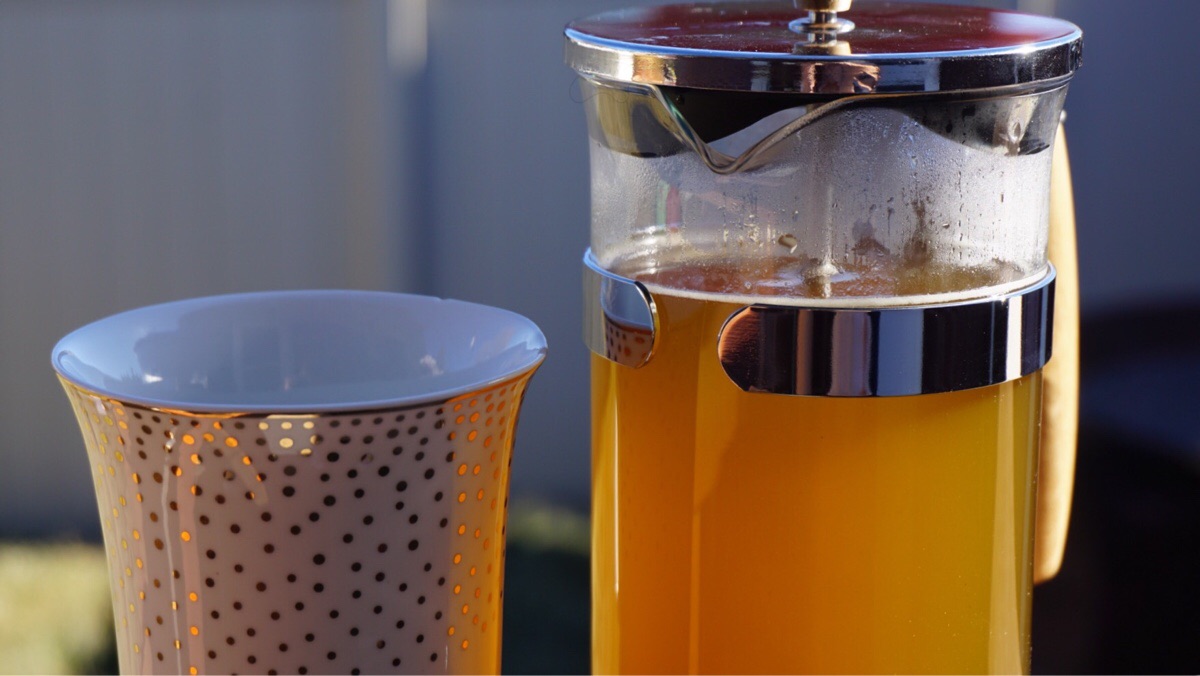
point(151, 151)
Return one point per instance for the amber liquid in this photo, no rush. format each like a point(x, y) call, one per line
point(736, 532)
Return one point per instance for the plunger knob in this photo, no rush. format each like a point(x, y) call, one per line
point(822, 23)
point(825, 5)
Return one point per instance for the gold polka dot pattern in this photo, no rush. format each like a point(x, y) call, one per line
point(362, 542)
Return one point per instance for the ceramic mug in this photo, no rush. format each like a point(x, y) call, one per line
point(303, 482)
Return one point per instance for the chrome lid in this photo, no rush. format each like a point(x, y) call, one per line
point(778, 47)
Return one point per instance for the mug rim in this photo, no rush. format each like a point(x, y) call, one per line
point(534, 354)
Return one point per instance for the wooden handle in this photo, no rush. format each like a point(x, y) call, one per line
point(1060, 394)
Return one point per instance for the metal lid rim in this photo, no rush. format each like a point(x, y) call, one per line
point(915, 72)
point(583, 41)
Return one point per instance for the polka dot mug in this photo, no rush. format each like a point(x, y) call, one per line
point(303, 482)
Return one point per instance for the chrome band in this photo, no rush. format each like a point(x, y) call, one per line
point(938, 72)
point(822, 74)
point(619, 319)
point(890, 351)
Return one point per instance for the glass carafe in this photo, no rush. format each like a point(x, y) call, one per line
point(820, 303)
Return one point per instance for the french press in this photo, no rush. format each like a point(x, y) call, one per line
point(822, 307)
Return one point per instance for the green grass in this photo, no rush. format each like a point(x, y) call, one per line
point(55, 612)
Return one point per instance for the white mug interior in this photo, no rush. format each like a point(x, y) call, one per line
point(298, 351)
